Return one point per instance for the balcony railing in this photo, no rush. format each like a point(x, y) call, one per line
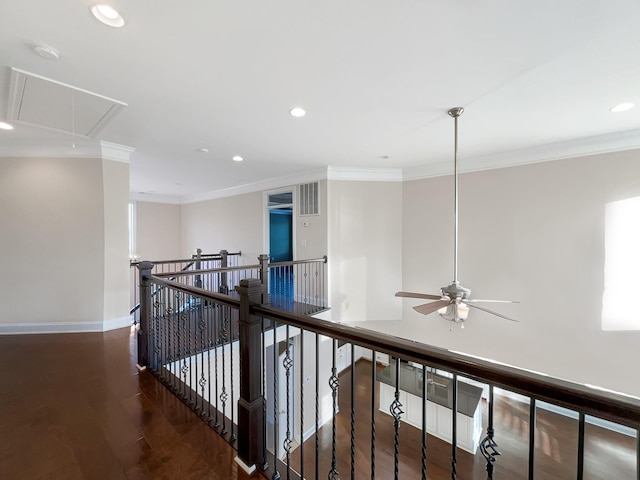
point(269, 380)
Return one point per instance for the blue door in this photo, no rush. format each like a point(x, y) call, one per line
point(281, 250)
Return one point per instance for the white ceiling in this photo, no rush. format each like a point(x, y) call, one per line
point(537, 79)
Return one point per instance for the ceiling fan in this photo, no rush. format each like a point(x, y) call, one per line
point(453, 302)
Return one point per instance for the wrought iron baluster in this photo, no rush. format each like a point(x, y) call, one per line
point(423, 463)
point(265, 466)
point(232, 438)
point(580, 471)
point(638, 454)
point(396, 412)
point(334, 383)
point(276, 473)
point(373, 413)
point(223, 395)
point(488, 446)
point(353, 412)
point(454, 428)
point(216, 323)
point(301, 357)
point(532, 437)
point(203, 380)
point(209, 347)
point(185, 353)
point(317, 418)
point(287, 362)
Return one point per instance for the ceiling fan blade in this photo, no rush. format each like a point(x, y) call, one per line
point(426, 296)
point(492, 312)
point(490, 301)
point(428, 308)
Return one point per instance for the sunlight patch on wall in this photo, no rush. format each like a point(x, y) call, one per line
point(622, 265)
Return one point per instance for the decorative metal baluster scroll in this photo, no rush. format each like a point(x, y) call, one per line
point(202, 325)
point(216, 323)
point(287, 363)
point(227, 311)
point(223, 395)
point(276, 473)
point(334, 383)
point(488, 446)
point(396, 412)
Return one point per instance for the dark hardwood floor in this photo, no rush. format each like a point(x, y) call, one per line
point(73, 406)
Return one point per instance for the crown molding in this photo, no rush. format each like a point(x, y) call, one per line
point(582, 147)
point(365, 174)
point(153, 198)
point(270, 184)
point(116, 152)
point(64, 148)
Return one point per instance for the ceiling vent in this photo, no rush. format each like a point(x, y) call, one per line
point(45, 103)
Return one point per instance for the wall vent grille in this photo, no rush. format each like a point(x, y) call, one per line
point(308, 199)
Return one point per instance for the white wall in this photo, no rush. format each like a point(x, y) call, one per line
point(532, 233)
point(365, 250)
point(158, 228)
point(57, 273)
point(115, 180)
point(230, 223)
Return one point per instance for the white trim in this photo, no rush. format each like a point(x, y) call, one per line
point(270, 184)
point(64, 148)
point(53, 149)
point(365, 174)
point(583, 147)
point(247, 469)
point(64, 327)
point(115, 323)
point(116, 152)
point(151, 198)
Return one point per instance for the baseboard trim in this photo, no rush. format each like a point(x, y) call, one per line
point(247, 469)
point(64, 327)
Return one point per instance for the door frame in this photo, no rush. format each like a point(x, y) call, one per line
point(266, 222)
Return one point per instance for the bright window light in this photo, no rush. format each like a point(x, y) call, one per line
point(621, 265)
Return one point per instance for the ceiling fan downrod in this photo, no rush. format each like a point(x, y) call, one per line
point(455, 113)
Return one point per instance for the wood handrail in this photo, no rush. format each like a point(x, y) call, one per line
point(615, 407)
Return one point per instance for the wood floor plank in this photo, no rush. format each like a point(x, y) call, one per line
point(74, 406)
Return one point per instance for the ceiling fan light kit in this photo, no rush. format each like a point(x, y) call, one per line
point(453, 303)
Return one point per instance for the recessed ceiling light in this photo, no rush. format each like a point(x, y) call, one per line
point(621, 107)
point(237, 158)
point(107, 15)
point(47, 51)
point(297, 112)
point(5, 126)
point(203, 150)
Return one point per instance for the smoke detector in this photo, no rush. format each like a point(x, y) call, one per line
point(47, 51)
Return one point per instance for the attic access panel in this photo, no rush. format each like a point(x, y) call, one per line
point(46, 103)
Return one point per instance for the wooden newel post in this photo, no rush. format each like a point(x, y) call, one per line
point(251, 421)
point(144, 270)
